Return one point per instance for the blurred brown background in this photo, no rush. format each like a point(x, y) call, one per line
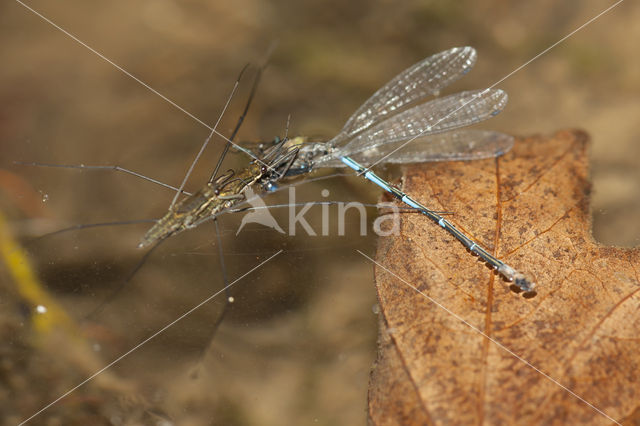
point(297, 346)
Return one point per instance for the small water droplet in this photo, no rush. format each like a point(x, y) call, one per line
point(45, 198)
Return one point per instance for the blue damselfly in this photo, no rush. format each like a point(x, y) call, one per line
point(395, 125)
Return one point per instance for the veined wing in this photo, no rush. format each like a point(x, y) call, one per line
point(413, 85)
point(451, 146)
point(437, 116)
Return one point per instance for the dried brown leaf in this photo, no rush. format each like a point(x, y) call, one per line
point(529, 207)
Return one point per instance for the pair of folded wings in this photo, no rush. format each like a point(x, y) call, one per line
point(397, 113)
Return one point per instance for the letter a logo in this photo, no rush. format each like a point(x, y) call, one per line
point(259, 213)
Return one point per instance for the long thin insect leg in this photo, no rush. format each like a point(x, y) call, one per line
point(238, 124)
point(254, 88)
point(114, 168)
point(206, 142)
point(225, 279)
point(123, 283)
point(292, 157)
point(227, 302)
point(87, 226)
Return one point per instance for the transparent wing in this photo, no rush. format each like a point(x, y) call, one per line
point(437, 116)
point(413, 85)
point(452, 146)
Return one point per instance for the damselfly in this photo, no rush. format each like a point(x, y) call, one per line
point(395, 125)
